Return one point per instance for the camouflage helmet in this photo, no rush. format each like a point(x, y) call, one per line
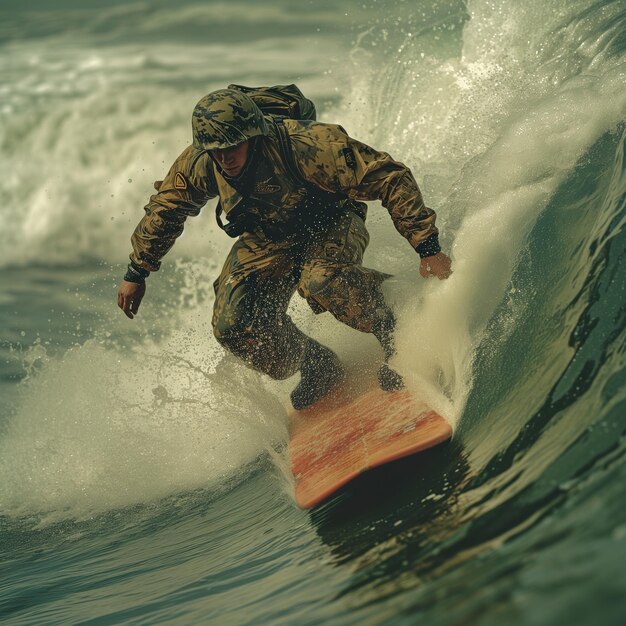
point(226, 118)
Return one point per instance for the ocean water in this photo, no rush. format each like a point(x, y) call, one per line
point(143, 472)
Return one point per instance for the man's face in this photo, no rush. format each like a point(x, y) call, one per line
point(232, 160)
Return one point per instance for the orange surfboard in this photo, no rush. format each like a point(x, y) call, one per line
point(331, 443)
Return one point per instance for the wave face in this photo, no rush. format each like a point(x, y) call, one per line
point(141, 463)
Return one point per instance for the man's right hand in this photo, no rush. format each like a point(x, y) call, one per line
point(129, 297)
point(438, 265)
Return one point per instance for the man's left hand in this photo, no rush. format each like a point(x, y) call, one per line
point(436, 265)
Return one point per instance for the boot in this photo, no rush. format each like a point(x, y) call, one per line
point(388, 379)
point(321, 371)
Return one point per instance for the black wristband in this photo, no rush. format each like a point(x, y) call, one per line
point(136, 274)
point(429, 247)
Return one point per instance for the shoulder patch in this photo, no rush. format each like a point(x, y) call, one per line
point(179, 181)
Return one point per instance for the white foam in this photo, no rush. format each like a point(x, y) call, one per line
point(105, 427)
point(491, 136)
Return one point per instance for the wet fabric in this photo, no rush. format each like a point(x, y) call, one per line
point(259, 278)
point(300, 233)
point(327, 158)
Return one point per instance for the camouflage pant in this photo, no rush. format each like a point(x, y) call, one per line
point(259, 278)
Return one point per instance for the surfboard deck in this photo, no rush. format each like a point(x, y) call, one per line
point(335, 440)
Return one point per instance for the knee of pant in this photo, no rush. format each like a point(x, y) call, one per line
point(317, 277)
point(230, 322)
point(236, 340)
point(256, 349)
point(226, 332)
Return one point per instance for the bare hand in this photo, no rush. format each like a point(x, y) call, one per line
point(129, 297)
point(437, 265)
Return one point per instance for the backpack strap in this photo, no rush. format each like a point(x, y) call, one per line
point(218, 214)
point(284, 141)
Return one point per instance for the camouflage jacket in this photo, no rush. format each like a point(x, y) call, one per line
point(326, 157)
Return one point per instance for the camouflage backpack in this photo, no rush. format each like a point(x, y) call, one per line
point(280, 100)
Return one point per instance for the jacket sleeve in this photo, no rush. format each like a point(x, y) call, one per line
point(332, 160)
point(184, 191)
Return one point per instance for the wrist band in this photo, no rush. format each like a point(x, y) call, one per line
point(429, 247)
point(135, 274)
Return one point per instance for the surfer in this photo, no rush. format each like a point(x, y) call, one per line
point(293, 192)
